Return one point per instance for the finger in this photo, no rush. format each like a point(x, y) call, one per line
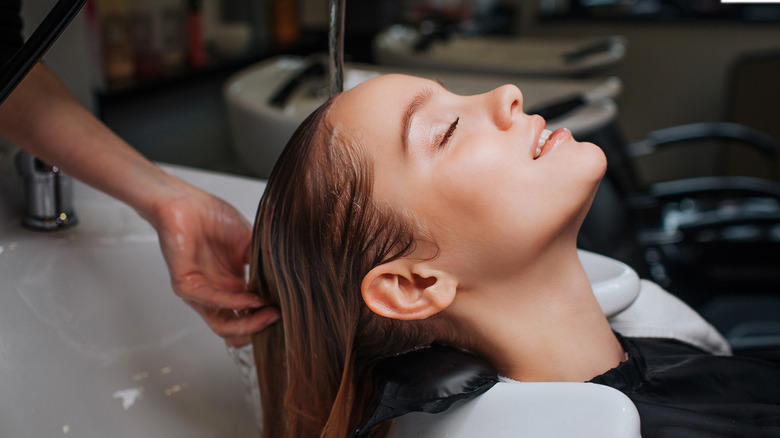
point(238, 301)
point(205, 296)
point(246, 323)
point(228, 323)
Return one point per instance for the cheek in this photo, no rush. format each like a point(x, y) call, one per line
point(486, 197)
point(572, 181)
point(478, 181)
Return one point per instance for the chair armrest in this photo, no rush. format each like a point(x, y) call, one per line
point(744, 185)
point(712, 187)
point(701, 187)
point(699, 203)
point(675, 134)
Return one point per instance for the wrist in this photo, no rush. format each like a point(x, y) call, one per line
point(165, 194)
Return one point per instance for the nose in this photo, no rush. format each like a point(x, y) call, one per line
point(506, 103)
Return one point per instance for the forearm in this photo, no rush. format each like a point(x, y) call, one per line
point(42, 117)
point(204, 240)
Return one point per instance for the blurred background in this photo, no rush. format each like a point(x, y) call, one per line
point(153, 70)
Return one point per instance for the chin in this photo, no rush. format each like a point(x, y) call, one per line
point(595, 165)
point(595, 162)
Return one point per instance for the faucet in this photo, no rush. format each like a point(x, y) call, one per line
point(48, 195)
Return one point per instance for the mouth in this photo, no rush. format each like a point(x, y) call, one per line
point(543, 137)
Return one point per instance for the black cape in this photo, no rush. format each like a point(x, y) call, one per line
point(681, 391)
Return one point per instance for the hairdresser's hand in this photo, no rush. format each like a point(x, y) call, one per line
point(204, 240)
point(206, 245)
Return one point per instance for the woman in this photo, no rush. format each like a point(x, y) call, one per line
point(401, 214)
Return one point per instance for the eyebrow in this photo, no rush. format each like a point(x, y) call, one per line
point(417, 103)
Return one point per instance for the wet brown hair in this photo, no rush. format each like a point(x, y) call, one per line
point(318, 232)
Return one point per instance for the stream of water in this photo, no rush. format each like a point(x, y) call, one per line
point(336, 47)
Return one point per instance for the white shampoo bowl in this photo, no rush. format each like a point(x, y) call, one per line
point(530, 409)
point(93, 341)
point(524, 56)
point(260, 130)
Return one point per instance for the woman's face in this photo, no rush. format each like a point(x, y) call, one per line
point(468, 167)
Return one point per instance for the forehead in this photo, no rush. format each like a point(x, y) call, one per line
point(376, 105)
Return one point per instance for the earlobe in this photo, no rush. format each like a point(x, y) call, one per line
point(405, 289)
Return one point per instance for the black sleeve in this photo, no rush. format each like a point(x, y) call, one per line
point(10, 29)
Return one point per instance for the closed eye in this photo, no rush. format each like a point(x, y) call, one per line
point(447, 135)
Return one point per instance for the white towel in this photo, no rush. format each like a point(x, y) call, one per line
point(656, 313)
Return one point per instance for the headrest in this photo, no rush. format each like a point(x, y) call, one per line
point(428, 380)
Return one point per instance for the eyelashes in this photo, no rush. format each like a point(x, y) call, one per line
point(448, 134)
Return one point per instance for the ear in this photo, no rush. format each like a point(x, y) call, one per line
point(407, 289)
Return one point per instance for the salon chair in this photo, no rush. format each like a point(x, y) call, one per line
point(713, 240)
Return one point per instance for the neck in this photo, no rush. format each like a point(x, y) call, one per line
point(544, 325)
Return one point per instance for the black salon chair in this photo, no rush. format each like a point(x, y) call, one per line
point(714, 241)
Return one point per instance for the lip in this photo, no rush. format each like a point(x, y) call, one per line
point(557, 137)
